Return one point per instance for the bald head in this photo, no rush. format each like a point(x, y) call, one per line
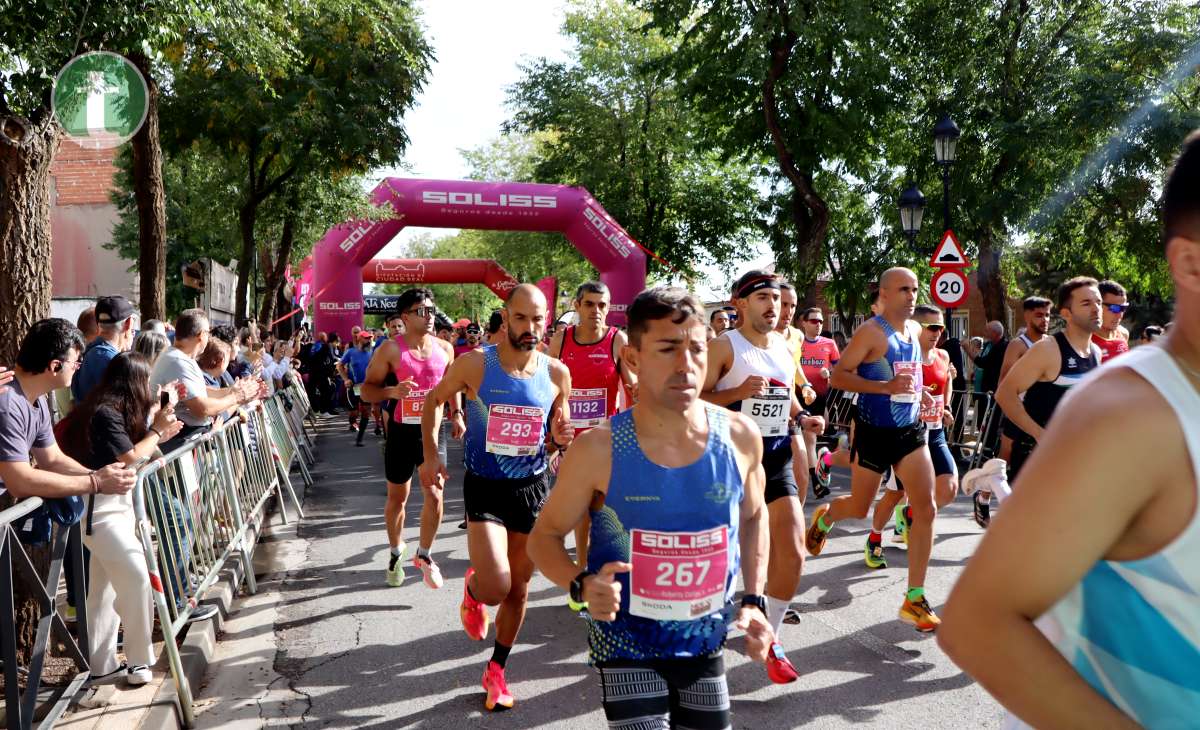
point(897, 293)
point(525, 294)
point(525, 317)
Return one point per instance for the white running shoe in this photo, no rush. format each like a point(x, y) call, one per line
point(430, 571)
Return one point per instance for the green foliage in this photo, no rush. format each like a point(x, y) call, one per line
point(612, 120)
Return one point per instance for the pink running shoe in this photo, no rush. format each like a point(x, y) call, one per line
point(429, 570)
point(496, 688)
point(473, 613)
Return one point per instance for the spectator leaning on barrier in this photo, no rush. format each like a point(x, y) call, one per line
point(111, 426)
point(114, 317)
point(48, 358)
point(150, 344)
point(198, 403)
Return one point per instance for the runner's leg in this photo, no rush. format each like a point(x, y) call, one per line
point(512, 609)
point(487, 546)
point(785, 563)
point(915, 471)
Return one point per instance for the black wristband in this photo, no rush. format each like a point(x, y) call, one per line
point(755, 601)
point(577, 586)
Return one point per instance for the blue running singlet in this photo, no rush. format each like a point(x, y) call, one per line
point(507, 421)
point(679, 529)
point(894, 411)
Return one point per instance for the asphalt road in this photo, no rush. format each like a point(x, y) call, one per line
point(327, 643)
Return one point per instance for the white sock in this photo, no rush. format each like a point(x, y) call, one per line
point(422, 552)
point(776, 608)
point(1002, 490)
point(398, 549)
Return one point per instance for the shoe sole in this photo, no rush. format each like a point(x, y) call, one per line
point(808, 542)
point(928, 629)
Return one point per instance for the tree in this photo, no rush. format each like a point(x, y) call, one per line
point(612, 119)
point(321, 113)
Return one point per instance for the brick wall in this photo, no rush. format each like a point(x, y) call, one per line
point(82, 176)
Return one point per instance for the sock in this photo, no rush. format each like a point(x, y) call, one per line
point(500, 653)
point(915, 594)
point(822, 525)
point(776, 608)
point(875, 536)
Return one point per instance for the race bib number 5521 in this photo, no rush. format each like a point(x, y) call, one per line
point(678, 576)
point(514, 430)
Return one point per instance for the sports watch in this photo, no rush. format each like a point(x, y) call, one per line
point(755, 601)
point(577, 586)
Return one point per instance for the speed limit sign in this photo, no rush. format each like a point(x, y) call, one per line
point(949, 288)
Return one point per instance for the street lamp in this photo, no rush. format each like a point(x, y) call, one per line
point(945, 144)
point(912, 209)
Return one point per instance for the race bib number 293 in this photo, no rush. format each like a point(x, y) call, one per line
point(514, 430)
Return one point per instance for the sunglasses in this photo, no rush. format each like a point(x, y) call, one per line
point(1117, 308)
point(423, 311)
point(815, 321)
point(933, 326)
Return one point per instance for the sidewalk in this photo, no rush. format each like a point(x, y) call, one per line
point(326, 643)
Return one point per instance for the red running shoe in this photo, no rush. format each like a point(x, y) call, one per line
point(473, 613)
point(496, 688)
point(779, 669)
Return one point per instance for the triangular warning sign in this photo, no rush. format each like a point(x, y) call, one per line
point(949, 253)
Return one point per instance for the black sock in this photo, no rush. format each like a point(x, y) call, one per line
point(500, 654)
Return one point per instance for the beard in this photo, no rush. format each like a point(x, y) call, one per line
point(524, 341)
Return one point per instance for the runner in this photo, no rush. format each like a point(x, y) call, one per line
point(1042, 377)
point(1105, 547)
point(936, 376)
point(675, 491)
point(1037, 324)
point(419, 361)
point(383, 411)
point(803, 455)
point(882, 363)
point(516, 411)
point(591, 351)
point(840, 456)
point(751, 370)
point(818, 355)
point(1112, 338)
point(353, 369)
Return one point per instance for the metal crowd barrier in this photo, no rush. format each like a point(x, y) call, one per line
point(205, 501)
point(22, 708)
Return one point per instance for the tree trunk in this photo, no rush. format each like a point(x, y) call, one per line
point(26, 151)
point(246, 219)
point(151, 205)
point(987, 278)
point(274, 279)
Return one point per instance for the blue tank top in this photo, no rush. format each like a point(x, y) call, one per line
point(690, 511)
point(505, 437)
point(882, 410)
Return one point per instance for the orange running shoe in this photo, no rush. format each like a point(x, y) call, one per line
point(779, 669)
point(920, 615)
point(473, 613)
point(496, 688)
point(814, 539)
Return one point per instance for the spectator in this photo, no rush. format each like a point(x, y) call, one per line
point(199, 403)
point(719, 321)
point(150, 344)
point(991, 357)
point(495, 325)
point(444, 331)
point(87, 324)
point(111, 426)
point(155, 325)
point(1150, 333)
point(114, 317)
point(48, 358)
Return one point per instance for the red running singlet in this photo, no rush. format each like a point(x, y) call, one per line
point(1110, 348)
point(594, 378)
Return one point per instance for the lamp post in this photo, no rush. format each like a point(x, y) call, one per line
point(945, 144)
point(912, 210)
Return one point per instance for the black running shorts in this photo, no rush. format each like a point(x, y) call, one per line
point(777, 464)
point(404, 452)
point(659, 694)
point(877, 448)
point(513, 503)
point(1011, 430)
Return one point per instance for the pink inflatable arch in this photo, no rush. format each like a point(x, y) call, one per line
point(338, 258)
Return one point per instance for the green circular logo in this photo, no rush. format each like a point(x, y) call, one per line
point(100, 99)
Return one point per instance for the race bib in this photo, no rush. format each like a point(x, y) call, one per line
point(589, 407)
point(913, 369)
point(514, 430)
point(358, 390)
point(412, 406)
point(932, 416)
point(678, 576)
point(770, 410)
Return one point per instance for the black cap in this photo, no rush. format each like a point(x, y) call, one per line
point(111, 310)
point(474, 329)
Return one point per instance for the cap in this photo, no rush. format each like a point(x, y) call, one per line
point(365, 335)
point(111, 310)
point(474, 329)
point(462, 322)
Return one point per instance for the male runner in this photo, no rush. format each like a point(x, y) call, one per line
point(937, 417)
point(751, 370)
point(516, 410)
point(803, 444)
point(1037, 324)
point(353, 369)
point(591, 350)
point(1042, 377)
point(1112, 338)
point(719, 321)
point(882, 363)
point(675, 491)
point(419, 361)
point(1105, 547)
point(818, 355)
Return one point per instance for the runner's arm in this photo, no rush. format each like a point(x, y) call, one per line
point(753, 532)
point(584, 473)
point(458, 377)
point(373, 389)
point(720, 360)
point(845, 373)
point(1012, 353)
point(554, 349)
point(1071, 505)
point(559, 412)
point(1035, 366)
point(456, 403)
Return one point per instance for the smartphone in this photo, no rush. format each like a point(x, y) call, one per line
point(164, 399)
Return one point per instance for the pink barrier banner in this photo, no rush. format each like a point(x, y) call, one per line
point(340, 256)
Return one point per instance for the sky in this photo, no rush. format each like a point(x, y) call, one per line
point(479, 47)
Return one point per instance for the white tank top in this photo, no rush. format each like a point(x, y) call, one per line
point(774, 363)
point(1132, 629)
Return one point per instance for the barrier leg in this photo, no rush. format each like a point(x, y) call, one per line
point(286, 482)
point(182, 688)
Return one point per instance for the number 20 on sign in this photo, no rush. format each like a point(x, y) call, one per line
point(949, 288)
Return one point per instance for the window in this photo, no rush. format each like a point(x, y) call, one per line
point(959, 323)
